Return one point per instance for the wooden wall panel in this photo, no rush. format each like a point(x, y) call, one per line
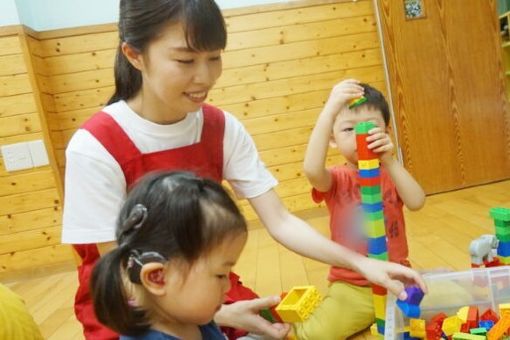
point(30, 202)
point(279, 68)
point(448, 94)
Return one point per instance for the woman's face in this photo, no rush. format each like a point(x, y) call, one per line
point(175, 77)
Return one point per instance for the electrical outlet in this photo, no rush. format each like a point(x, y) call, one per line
point(16, 157)
point(38, 153)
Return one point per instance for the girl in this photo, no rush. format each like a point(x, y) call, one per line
point(178, 237)
point(168, 59)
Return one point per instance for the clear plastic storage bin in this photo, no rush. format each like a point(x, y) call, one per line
point(448, 292)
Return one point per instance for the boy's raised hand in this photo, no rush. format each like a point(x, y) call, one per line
point(390, 275)
point(380, 142)
point(342, 93)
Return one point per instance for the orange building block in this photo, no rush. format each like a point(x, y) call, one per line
point(500, 328)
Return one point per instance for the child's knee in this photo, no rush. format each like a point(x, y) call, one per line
point(329, 324)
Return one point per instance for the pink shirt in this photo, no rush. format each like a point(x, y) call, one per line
point(346, 219)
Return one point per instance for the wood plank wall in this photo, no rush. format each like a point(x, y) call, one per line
point(30, 200)
point(279, 67)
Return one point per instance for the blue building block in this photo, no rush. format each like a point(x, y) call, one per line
point(409, 310)
point(377, 245)
point(371, 173)
point(504, 249)
point(370, 208)
point(487, 324)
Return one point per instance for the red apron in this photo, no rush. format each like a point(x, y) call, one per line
point(204, 158)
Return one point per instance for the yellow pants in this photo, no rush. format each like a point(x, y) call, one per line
point(346, 310)
point(15, 321)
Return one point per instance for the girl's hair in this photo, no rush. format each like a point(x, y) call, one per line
point(141, 21)
point(171, 215)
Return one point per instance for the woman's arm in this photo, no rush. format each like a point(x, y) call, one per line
point(298, 236)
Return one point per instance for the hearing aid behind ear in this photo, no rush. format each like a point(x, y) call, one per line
point(137, 260)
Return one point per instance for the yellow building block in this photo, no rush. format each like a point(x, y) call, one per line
point(417, 328)
point(298, 304)
point(375, 229)
point(373, 329)
point(504, 259)
point(451, 325)
point(380, 306)
point(466, 336)
point(504, 308)
point(463, 313)
point(368, 164)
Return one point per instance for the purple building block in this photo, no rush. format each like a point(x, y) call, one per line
point(414, 295)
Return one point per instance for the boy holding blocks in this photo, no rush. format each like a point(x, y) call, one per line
point(348, 306)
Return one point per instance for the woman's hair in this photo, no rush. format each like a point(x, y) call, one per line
point(170, 215)
point(141, 21)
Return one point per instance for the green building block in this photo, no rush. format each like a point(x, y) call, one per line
point(374, 216)
point(375, 189)
point(382, 257)
point(502, 231)
point(363, 127)
point(503, 237)
point(499, 213)
point(266, 314)
point(371, 198)
point(357, 102)
point(502, 224)
point(478, 331)
point(466, 336)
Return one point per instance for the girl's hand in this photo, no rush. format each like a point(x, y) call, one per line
point(245, 315)
point(380, 142)
point(390, 275)
point(342, 93)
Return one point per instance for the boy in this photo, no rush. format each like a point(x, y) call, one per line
point(347, 308)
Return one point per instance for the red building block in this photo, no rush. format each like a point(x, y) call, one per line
point(369, 182)
point(364, 153)
point(472, 317)
point(491, 315)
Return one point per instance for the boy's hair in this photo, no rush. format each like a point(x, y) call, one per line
point(141, 21)
point(171, 215)
point(375, 100)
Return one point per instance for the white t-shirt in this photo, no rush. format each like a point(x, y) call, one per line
point(95, 187)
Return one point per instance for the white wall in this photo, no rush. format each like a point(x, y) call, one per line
point(44, 15)
point(9, 12)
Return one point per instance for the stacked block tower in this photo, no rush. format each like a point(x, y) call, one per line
point(372, 205)
point(501, 218)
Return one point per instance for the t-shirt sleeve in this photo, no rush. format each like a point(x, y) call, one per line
point(319, 196)
point(242, 166)
point(95, 189)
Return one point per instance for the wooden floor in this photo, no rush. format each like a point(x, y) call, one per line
point(439, 236)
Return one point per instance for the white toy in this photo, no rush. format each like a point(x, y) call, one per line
point(483, 249)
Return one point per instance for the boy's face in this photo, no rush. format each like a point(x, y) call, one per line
point(344, 135)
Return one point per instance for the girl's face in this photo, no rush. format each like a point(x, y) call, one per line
point(175, 77)
point(343, 130)
point(195, 294)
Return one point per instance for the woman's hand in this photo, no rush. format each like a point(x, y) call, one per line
point(390, 275)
